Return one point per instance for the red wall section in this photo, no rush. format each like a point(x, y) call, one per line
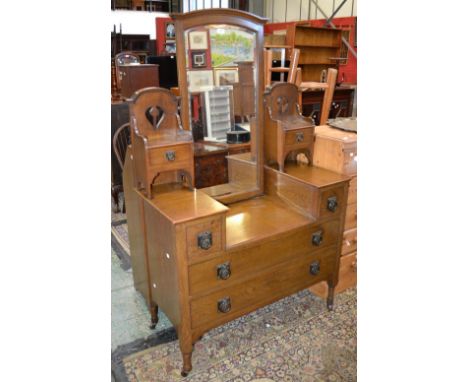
point(348, 70)
point(161, 33)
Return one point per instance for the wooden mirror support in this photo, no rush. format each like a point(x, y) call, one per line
point(199, 61)
point(163, 151)
point(286, 130)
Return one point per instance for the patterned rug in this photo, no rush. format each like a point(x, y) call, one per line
point(294, 339)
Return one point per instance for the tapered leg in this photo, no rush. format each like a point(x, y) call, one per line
point(331, 296)
point(187, 358)
point(154, 316)
point(115, 196)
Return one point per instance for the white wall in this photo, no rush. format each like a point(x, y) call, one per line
point(295, 10)
point(134, 22)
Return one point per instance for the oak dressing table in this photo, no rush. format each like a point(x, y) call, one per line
point(207, 256)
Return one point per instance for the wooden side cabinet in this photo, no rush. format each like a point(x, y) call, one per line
point(135, 77)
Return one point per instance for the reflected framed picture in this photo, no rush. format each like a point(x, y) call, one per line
point(198, 40)
point(226, 76)
point(198, 59)
point(197, 79)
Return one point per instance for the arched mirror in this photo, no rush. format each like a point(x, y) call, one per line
point(220, 71)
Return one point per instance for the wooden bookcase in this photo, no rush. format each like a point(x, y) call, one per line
point(320, 49)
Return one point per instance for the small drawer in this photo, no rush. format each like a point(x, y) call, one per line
point(299, 137)
point(290, 277)
point(351, 217)
point(349, 241)
point(171, 157)
point(205, 237)
point(332, 201)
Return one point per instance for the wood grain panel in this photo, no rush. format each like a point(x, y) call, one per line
point(136, 231)
point(352, 191)
point(349, 243)
point(161, 244)
point(351, 217)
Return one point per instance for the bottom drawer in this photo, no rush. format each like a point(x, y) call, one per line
point(347, 277)
point(228, 303)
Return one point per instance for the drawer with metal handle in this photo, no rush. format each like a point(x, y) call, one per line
point(227, 268)
point(205, 237)
point(227, 303)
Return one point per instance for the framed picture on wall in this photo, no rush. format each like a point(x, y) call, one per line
point(170, 47)
point(198, 40)
point(198, 79)
point(170, 31)
point(198, 59)
point(226, 76)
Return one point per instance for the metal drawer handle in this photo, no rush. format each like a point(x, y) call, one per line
point(224, 271)
point(205, 240)
point(317, 238)
point(224, 305)
point(299, 137)
point(332, 203)
point(170, 155)
point(314, 268)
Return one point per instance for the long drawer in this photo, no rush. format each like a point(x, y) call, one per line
point(231, 267)
point(284, 279)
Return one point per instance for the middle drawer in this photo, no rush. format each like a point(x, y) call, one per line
point(240, 264)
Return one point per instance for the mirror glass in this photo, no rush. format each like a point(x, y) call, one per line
point(221, 76)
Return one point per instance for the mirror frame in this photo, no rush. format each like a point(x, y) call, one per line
point(248, 21)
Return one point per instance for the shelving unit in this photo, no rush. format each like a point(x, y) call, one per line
point(320, 49)
point(219, 113)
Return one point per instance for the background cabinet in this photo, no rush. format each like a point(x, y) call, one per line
point(135, 77)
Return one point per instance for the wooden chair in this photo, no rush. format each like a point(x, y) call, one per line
point(120, 142)
point(291, 70)
point(329, 87)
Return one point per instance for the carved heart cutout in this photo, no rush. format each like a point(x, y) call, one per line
point(283, 104)
point(154, 114)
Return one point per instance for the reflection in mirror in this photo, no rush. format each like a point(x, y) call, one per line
point(221, 73)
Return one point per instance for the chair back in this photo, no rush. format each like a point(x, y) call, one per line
point(120, 142)
point(291, 70)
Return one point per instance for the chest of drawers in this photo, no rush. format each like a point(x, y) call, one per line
point(206, 263)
